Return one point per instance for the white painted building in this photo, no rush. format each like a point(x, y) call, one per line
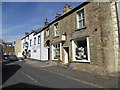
point(33, 45)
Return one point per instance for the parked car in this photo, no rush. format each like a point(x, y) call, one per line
point(6, 57)
point(13, 58)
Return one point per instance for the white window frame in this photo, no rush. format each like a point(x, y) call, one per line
point(30, 42)
point(56, 32)
point(39, 39)
point(80, 18)
point(47, 32)
point(53, 51)
point(34, 40)
point(73, 51)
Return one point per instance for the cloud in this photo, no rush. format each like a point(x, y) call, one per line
point(12, 29)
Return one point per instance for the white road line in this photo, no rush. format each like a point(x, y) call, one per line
point(46, 65)
point(89, 83)
point(32, 78)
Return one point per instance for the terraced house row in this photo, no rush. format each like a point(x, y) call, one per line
point(88, 34)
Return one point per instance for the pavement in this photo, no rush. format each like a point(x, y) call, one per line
point(80, 76)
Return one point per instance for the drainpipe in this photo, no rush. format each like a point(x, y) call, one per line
point(118, 18)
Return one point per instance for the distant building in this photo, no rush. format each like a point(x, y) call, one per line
point(1, 50)
point(18, 47)
point(8, 48)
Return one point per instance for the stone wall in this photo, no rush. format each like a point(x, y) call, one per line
point(101, 28)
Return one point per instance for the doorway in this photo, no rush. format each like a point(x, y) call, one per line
point(48, 46)
point(66, 54)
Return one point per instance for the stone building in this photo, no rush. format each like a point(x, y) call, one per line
point(8, 48)
point(18, 48)
point(88, 34)
point(1, 50)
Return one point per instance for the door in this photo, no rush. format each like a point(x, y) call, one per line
point(48, 53)
point(66, 55)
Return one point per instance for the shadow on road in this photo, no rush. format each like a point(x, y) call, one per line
point(8, 71)
point(25, 86)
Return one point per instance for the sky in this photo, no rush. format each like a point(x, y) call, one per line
point(21, 17)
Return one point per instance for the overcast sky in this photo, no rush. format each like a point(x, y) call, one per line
point(21, 17)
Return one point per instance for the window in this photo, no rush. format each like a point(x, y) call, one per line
point(80, 19)
point(39, 39)
point(56, 32)
point(56, 51)
point(81, 49)
point(35, 41)
point(30, 42)
point(23, 45)
point(28, 37)
point(47, 32)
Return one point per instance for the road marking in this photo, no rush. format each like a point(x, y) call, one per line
point(45, 65)
point(32, 78)
point(92, 84)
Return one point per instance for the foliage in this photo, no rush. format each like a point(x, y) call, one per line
point(70, 60)
point(59, 60)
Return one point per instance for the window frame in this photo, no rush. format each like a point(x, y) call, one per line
point(34, 40)
point(39, 39)
point(53, 51)
point(74, 54)
point(47, 32)
point(56, 32)
point(30, 42)
point(81, 18)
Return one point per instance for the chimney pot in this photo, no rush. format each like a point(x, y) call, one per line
point(67, 8)
point(57, 15)
point(46, 22)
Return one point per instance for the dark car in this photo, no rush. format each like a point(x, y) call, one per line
point(13, 58)
point(6, 57)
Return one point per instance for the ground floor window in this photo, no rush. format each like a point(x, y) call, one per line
point(56, 51)
point(81, 49)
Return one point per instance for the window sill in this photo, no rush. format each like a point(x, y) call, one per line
point(56, 36)
point(54, 59)
point(84, 27)
point(83, 61)
point(47, 36)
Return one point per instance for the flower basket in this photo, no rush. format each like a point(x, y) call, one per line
point(70, 64)
point(59, 63)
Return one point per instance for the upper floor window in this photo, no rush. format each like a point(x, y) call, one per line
point(28, 38)
point(39, 39)
point(35, 41)
point(47, 32)
point(56, 32)
point(30, 42)
point(80, 19)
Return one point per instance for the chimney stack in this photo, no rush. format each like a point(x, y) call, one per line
point(67, 8)
point(57, 15)
point(46, 22)
point(26, 33)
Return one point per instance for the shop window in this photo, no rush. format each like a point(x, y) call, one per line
point(56, 51)
point(81, 49)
